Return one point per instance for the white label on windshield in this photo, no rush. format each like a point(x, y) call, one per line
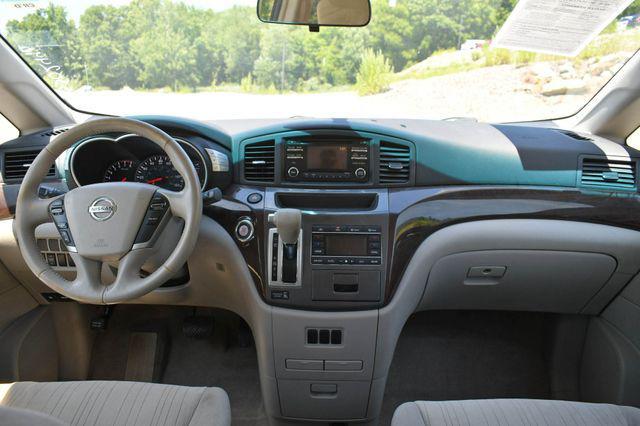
point(558, 27)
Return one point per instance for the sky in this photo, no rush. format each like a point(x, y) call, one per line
point(12, 9)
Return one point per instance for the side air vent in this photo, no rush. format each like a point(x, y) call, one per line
point(259, 161)
point(395, 163)
point(606, 173)
point(16, 163)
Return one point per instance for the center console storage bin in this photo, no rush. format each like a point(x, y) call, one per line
point(334, 400)
point(535, 280)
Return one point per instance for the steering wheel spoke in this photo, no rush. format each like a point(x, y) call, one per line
point(129, 280)
point(177, 202)
point(38, 209)
point(88, 271)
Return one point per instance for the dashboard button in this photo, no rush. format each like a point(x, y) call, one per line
point(361, 173)
point(244, 230)
point(51, 259)
point(254, 198)
point(293, 172)
point(62, 259)
point(280, 294)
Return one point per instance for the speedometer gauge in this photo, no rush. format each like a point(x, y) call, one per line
point(158, 170)
point(120, 171)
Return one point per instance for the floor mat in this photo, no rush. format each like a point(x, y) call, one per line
point(467, 355)
point(189, 362)
point(141, 358)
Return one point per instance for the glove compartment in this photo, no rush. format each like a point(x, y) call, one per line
point(529, 280)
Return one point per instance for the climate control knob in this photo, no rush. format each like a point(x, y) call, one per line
point(360, 173)
point(293, 172)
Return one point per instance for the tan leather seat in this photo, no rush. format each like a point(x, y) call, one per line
point(513, 412)
point(117, 403)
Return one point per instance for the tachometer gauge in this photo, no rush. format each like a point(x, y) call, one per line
point(120, 171)
point(158, 170)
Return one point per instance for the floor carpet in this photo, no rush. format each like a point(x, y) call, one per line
point(467, 355)
point(214, 361)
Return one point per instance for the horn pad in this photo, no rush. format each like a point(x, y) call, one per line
point(104, 218)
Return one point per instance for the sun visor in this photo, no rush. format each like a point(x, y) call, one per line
point(557, 27)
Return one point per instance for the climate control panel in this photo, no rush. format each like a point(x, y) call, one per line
point(346, 245)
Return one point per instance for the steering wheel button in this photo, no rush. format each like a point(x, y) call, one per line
point(158, 206)
point(66, 237)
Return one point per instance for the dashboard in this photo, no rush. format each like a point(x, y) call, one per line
point(370, 191)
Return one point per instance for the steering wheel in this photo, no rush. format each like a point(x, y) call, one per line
point(109, 222)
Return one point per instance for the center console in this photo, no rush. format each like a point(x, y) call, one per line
point(320, 204)
point(325, 316)
point(340, 257)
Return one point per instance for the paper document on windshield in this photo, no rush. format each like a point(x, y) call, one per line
point(558, 27)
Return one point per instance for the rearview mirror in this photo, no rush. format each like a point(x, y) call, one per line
point(315, 13)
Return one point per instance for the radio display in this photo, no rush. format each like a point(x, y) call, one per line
point(327, 157)
point(326, 160)
point(346, 245)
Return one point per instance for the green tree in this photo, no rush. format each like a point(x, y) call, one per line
point(167, 52)
point(105, 37)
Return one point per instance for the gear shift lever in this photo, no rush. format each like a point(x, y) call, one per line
point(288, 222)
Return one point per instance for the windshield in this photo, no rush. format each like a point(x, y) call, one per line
point(215, 59)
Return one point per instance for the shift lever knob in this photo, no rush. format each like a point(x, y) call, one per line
point(288, 222)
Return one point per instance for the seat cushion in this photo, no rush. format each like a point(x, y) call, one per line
point(120, 403)
point(513, 412)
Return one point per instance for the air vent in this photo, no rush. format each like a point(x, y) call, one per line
point(16, 163)
point(259, 161)
point(395, 163)
point(606, 173)
point(54, 132)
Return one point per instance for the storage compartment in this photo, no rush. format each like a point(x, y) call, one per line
point(327, 201)
point(323, 400)
point(535, 280)
point(347, 285)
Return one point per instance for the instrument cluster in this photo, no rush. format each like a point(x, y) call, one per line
point(131, 158)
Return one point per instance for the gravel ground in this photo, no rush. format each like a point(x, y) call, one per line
point(495, 94)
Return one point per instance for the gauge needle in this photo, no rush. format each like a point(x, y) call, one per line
point(124, 179)
point(152, 181)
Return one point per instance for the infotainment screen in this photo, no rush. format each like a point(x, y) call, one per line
point(327, 157)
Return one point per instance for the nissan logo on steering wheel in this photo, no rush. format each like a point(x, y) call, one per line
point(102, 209)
